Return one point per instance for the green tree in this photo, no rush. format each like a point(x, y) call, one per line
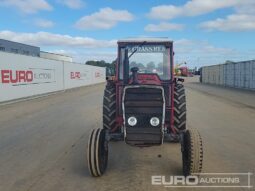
point(110, 67)
point(151, 66)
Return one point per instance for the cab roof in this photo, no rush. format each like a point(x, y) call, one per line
point(148, 40)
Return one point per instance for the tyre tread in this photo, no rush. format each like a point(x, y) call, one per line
point(179, 108)
point(109, 107)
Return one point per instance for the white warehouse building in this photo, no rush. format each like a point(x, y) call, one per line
point(28, 50)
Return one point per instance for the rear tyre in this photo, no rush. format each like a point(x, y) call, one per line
point(179, 108)
point(97, 153)
point(192, 152)
point(109, 107)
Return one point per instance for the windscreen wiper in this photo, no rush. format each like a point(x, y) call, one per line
point(143, 43)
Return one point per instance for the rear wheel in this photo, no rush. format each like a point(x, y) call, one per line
point(109, 107)
point(192, 152)
point(179, 108)
point(97, 152)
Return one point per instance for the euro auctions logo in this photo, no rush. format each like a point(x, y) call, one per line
point(27, 77)
point(18, 76)
point(75, 75)
point(98, 74)
point(205, 180)
point(84, 75)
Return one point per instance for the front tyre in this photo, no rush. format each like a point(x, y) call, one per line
point(192, 152)
point(97, 152)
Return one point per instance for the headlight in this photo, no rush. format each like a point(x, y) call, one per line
point(132, 121)
point(154, 121)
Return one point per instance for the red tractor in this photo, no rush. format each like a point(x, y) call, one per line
point(144, 105)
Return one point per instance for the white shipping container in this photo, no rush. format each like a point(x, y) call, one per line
point(240, 74)
point(77, 75)
point(24, 76)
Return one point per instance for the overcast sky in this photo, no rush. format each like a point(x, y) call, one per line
point(204, 31)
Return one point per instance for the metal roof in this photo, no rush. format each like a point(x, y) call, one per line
point(144, 39)
point(4, 40)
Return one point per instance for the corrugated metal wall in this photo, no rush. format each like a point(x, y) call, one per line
point(232, 74)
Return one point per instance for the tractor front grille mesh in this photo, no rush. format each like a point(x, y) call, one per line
point(143, 103)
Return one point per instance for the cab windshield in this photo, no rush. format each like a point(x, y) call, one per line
point(150, 59)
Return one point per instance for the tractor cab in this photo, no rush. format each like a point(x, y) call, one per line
point(145, 61)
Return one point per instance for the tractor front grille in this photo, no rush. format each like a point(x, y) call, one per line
point(143, 102)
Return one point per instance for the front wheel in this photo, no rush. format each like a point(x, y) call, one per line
point(97, 152)
point(192, 152)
